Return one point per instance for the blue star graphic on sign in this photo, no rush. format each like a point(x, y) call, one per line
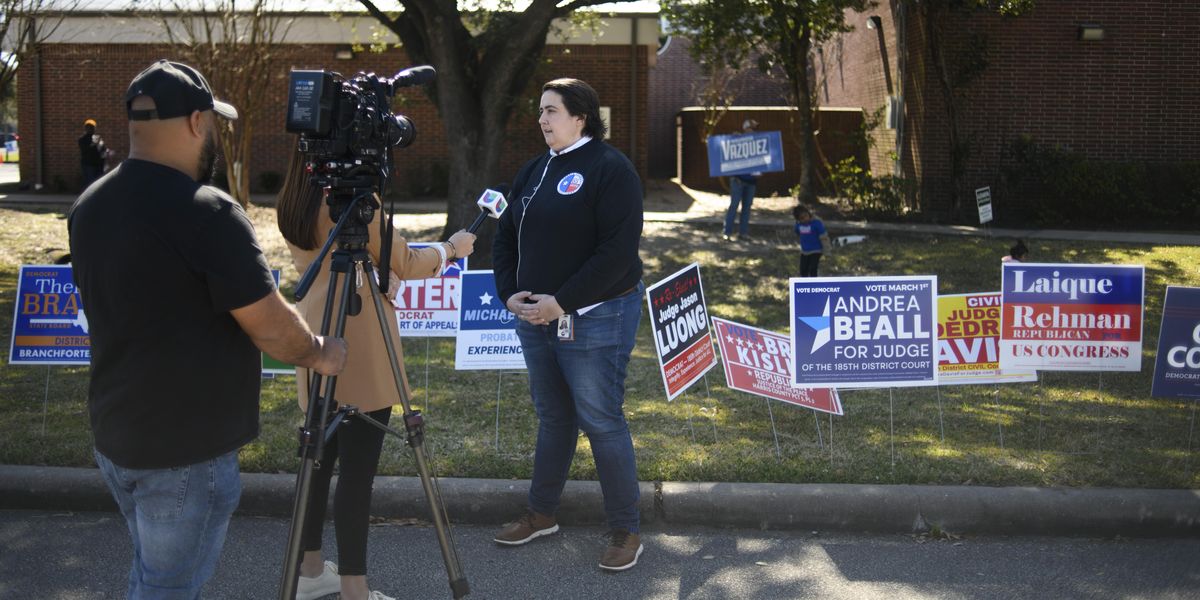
point(819, 324)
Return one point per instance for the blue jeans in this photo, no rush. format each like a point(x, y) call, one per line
point(580, 384)
point(740, 193)
point(177, 518)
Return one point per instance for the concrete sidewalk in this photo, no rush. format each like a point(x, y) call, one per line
point(766, 506)
point(696, 206)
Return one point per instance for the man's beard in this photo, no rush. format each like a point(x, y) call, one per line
point(208, 160)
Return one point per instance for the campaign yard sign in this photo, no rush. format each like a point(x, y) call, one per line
point(1177, 367)
point(679, 324)
point(969, 341)
point(429, 307)
point(50, 327)
point(1064, 317)
point(758, 152)
point(759, 362)
point(861, 332)
point(487, 331)
point(49, 324)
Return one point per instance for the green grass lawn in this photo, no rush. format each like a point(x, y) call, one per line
point(1074, 429)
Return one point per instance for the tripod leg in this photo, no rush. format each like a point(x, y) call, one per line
point(414, 425)
point(312, 435)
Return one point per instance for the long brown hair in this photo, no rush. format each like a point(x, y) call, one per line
point(298, 206)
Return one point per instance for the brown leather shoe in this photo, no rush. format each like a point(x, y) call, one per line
point(623, 550)
point(527, 527)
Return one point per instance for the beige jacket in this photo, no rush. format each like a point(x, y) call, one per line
point(367, 382)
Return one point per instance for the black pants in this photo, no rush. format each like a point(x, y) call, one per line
point(808, 264)
point(355, 446)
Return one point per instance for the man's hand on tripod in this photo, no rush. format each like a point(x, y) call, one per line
point(277, 329)
point(332, 355)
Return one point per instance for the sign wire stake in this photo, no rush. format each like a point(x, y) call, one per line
point(46, 403)
point(774, 432)
point(1040, 393)
point(1099, 400)
point(499, 376)
point(892, 428)
point(830, 440)
point(428, 392)
point(817, 422)
point(1191, 429)
point(713, 416)
point(999, 419)
point(941, 420)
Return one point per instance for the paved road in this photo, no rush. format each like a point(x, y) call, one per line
point(85, 555)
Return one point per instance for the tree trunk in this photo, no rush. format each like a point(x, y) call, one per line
point(796, 42)
point(479, 79)
point(934, 18)
point(804, 106)
point(474, 164)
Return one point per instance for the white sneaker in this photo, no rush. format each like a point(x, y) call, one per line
point(377, 595)
point(328, 582)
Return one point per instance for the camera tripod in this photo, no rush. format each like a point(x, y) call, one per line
point(347, 262)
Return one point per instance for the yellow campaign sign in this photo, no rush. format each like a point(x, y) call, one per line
point(969, 341)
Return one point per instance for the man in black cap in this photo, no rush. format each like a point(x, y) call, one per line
point(179, 302)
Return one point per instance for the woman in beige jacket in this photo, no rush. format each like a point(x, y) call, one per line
point(366, 383)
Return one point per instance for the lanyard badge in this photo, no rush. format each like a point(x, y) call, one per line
point(566, 330)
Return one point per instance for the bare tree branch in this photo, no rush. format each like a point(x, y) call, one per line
point(23, 25)
point(234, 44)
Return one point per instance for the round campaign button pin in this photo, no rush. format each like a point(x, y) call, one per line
point(570, 184)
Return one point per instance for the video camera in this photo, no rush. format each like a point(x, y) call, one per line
point(346, 126)
point(347, 131)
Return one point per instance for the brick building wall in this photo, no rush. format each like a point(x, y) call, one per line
point(81, 81)
point(1132, 96)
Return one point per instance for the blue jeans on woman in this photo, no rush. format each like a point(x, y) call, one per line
point(177, 518)
point(740, 192)
point(580, 384)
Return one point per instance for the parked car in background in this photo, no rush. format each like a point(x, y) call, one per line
point(11, 151)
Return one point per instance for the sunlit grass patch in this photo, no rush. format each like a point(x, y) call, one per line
point(1081, 429)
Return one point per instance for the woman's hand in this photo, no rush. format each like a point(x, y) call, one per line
point(542, 308)
point(536, 309)
point(463, 242)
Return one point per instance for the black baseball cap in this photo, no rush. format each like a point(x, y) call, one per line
point(177, 90)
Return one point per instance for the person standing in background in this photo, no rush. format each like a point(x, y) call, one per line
point(92, 153)
point(814, 240)
point(741, 193)
point(1017, 253)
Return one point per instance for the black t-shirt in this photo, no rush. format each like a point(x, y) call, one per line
point(160, 261)
point(577, 235)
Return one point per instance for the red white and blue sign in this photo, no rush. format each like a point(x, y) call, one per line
point(1066, 317)
point(570, 183)
point(49, 324)
point(1177, 368)
point(487, 331)
point(679, 325)
point(759, 362)
point(864, 332)
point(429, 307)
point(743, 154)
